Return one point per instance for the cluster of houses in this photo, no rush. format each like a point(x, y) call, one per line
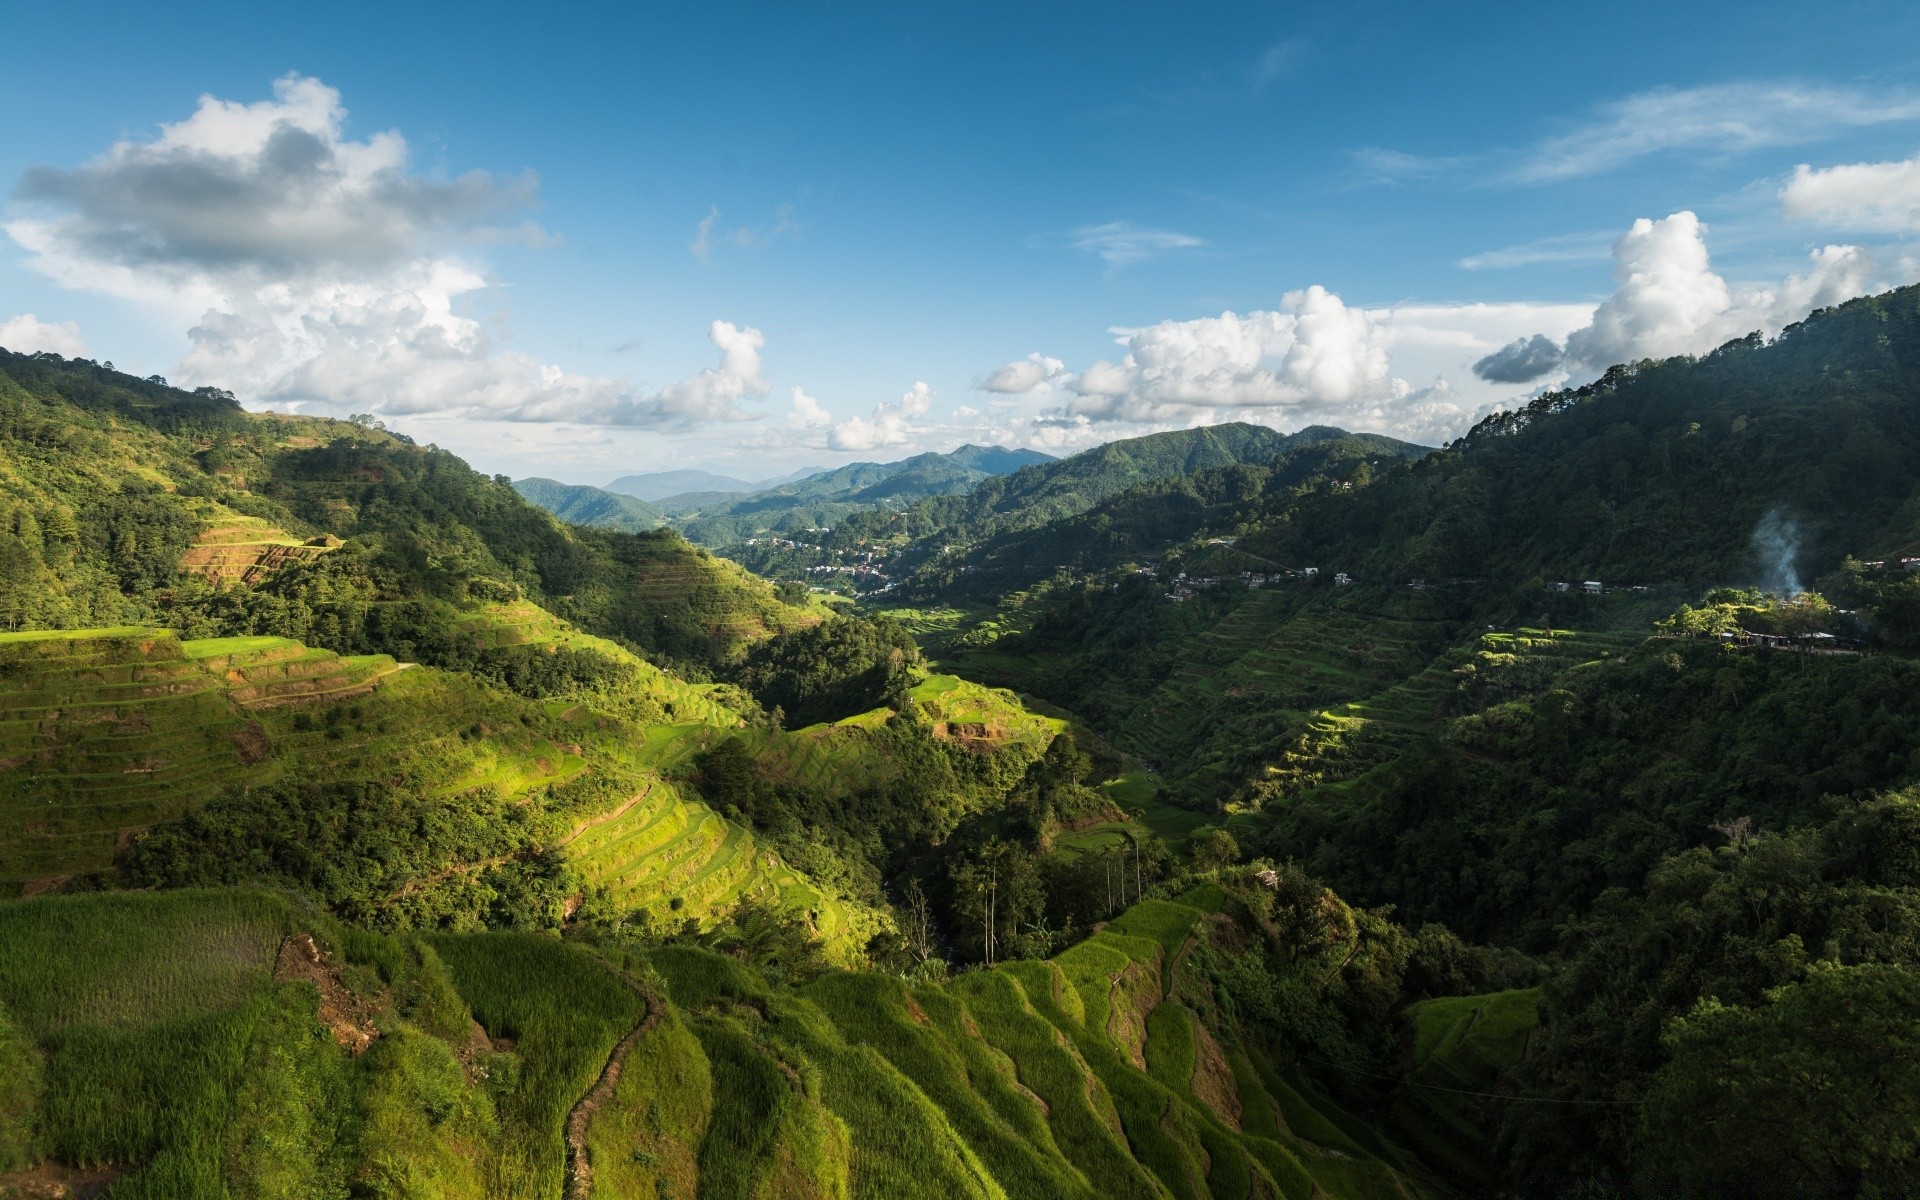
point(1185, 587)
point(1592, 587)
point(1816, 642)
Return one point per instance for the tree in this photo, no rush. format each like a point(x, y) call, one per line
point(1815, 1093)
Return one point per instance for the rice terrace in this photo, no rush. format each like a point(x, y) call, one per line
point(1212, 602)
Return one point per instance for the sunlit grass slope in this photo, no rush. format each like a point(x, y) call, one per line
point(104, 733)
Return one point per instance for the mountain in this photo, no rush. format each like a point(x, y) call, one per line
point(1603, 776)
point(1228, 814)
point(658, 485)
point(583, 505)
point(1123, 499)
point(789, 477)
point(825, 497)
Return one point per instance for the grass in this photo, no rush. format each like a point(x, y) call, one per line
point(564, 1010)
point(646, 1140)
point(123, 960)
point(1017, 1081)
point(1461, 1044)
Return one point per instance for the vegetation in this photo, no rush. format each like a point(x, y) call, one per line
point(365, 831)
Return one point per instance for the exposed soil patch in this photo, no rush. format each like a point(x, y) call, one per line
point(1213, 1084)
point(40, 887)
point(349, 1018)
point(57, 1181)
point(1131, 999)
point(251, 744)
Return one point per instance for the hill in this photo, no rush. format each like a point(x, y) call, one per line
point(1469, 731)
point(113, 486)
point(583, 505)
point(318, 1059)
point(1021, 525)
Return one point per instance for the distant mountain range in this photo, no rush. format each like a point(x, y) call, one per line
point(719, 510)
point(658, 485)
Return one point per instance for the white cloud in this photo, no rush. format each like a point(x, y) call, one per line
point(311, 269)
point(807, 413)
point(1313, 359)
point(708, 235)
point(1312, 353)
point(28, 334)
point(1122, 243)
point(1035, 371)
point(891, 425)
point(1882, 196)
point(1377, 164)
point(1727, 117)
point(1670, 300)
point(1562, 248)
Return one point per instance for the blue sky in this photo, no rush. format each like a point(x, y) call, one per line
point(892, 208)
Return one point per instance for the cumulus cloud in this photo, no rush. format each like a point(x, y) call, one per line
point(1122, 243)
point(807, 412)
point(1883, 196)
point(1726, 117)
point(28, 334)
point(1670, 300)
point(271, 189)
point(1522, 360)
point(312, 269)
point(891, 424)
point(1312, 353)
point(1033, 372)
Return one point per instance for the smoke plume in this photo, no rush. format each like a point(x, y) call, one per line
point(1776, 544)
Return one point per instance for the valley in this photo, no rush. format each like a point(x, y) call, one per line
point(366, 830)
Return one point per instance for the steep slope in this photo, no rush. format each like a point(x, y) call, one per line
point(135, 756)
point(311, 1057)
point(583, 505)
point(1692, 471)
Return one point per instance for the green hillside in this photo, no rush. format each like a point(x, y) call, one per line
point(579, 504)
point(305, 1058)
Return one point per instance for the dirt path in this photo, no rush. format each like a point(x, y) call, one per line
point(579, 1161)
point(603, 818)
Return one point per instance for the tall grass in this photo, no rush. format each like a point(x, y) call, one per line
point(958, 1072)
point(646, 1141)
point(565, 1010)
point(128, 959)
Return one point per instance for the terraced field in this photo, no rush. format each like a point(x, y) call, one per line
point(1461, 1048)
point(497, 626)
point(1341, 744)
point(1084, 1076)
point(672, 854)
point(105, 732)
point(1088, 1077)
point(236, 548)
